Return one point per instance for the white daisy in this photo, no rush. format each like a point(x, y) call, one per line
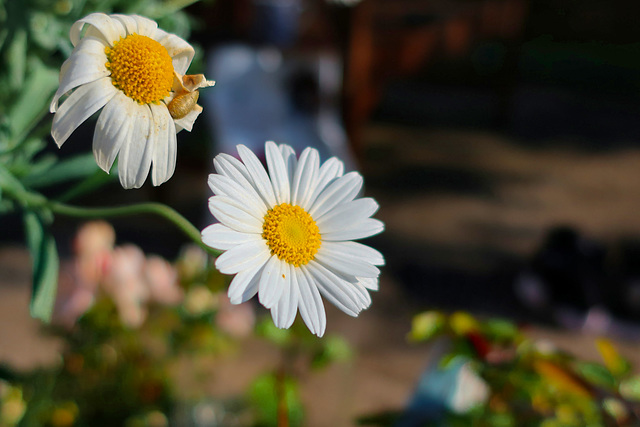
point(135, 70)
point(287, 234)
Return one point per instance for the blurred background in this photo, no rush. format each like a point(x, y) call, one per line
point(500, 138)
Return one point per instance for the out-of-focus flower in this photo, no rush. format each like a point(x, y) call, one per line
point(12, 405)
point(75, 296)
point(125, 283)
point(236, 320)
point(200, 300)
point(191, 262)
point(135, 70)
point(470, 390)
point(288, 234)
point(93, 245)
point(162, 279)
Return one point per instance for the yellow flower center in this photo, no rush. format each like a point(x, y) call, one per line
point(141, 68)
point(291, 234)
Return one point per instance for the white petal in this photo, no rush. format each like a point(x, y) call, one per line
point(353, 250)
point(310, 303)
point(351, 266)
point(278, 173)
point(258, 175)
point(339, 292)
point(305, 178)
point(272, 283)
point(165, 144)
point(247, 196)
point(99, 23)
point(244, 285)
point(146, 27)
point(290, 161)
point(221, 237)
point(341, 190)
point(113, 129)
point(85, 65)
point(242, 257)
point(134, 159)
point(233, 217)
point(179, 50)
point(329, 172)
point(346, 215)
point(130, 25)
point(371, 283)
point(187, 121)
point(233, 168)
point(366, 228)
point(284, 312)
point(82, 103)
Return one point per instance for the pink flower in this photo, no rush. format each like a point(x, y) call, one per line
point(162, 280)
point(235, 320)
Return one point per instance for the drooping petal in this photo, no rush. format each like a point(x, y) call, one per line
point(346, 215)
point(366, 228)
point(99, 24)
point(310, 303)
point(241, 257)
point(128, 22)
point(113, 129)
point(165, 144)
point(234, 217)
point(145, 26)
point(258, 175)
point(284, 312)
point(278, 173)
point(272, 283)
point(187, 121)
point(135, 155)
point(221, 237)
point(305, 178)
point(244, 285)
point(339, 191)
point(81, 105)
point(85, 65)
point(180, 51)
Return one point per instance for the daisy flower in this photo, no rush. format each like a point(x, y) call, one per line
point(133, 71)
point(287, 234)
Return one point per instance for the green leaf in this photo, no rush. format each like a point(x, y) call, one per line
point(44, 257)
point(17, 58)
point(33, 102)
point(77, 167)
point(596, 374)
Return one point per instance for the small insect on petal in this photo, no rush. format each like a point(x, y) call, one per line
point(182, 104)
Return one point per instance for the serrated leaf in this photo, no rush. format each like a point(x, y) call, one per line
point(45, 265)
point(77, 167)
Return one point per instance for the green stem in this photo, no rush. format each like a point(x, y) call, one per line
point(164, 211)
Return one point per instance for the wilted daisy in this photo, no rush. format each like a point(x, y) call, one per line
point(135, 70)
point(287, 234)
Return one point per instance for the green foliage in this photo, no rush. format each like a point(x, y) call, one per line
point(270, 391)
point(531, 384)
point(34, 42)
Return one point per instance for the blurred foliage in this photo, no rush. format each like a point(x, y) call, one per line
point(34, 42)
point(530, 383)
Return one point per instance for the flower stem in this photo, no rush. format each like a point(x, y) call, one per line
point(160, 209)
